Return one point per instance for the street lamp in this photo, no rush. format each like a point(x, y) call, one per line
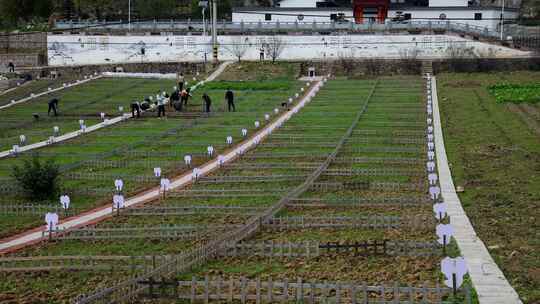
point(204, 5)
point(502, 21)
point(129, 15)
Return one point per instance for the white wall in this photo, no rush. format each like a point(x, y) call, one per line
point(298, 3)
point(437, 3)
point(68, 50)
point(490, 17)
point(292, 16)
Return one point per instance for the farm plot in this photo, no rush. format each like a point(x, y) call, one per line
point(367, 218)
point(35, 86)
point(131, 150)
point(187, 218)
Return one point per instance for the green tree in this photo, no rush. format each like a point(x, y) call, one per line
point(39, 181)
point(17, 12)
point(156, 9)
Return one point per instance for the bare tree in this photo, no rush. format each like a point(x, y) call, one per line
point(238, 47)
point(274, 47)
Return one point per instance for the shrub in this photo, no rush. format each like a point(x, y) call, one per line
point(39, 181)
point(516, 93)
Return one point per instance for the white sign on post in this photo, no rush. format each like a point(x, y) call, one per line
point(65, 201)
point(56, 130)
point(290, 100)
point(118, 184)
point(444, 232)
point(157, 172)
point(196, 173)
point(257, 124)
point(430, 165)
point(430, 129)
point(221, 160)
point(22, 139)
point(102, 116)
point(81, 122)
point(83, 128)
point(229, 140)
point(187, 160)
point(430, 137)
point(276, 110)
point(432, 177)
point(429, 121)
point(431, 146)
point(454, 270)
point(266, 117)
point(210, 150)
point(296, 95)
point(165, 184)
point(434, 192)
point(440, 210)
point(51, 220)
point(431, 155)
point(302, 89)
point(244, 132)
point(118, 201)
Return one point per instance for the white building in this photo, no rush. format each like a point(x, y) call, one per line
point(457, 11)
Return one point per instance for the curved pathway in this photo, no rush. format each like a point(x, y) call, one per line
point(488, 280)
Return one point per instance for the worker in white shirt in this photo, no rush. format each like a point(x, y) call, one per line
point(161, 101)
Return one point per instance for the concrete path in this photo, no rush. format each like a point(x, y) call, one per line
point(488, 280)
point(78, 82)
point(103, 124)
point(36, 235)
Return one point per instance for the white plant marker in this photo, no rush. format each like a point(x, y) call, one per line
point(83, 128)
point(257, 124)
point(244, 132)
point(432, 177)
point(64, 85)
point(290, 100)
point(221, 160)
point(56, 130)
point(120, 109)
point(296, 95)
point(454, 270)
point(434, 192)
point(302, 89)
point(196, 173)
point(165, 184)
point(431, 146)
point(431, 155)
point(187, 160)
point(266, 117)
point(229, 140)
point(430, 165)
point(210, 151)
point(429, 121)
point(118, 201)
point(430, 130)
point(276, 110)
point(49, 89)
point(13, 101)
point(51, 220)
point(444, 232)
point(51, 140)
point(119, 184)
point(81, 122)
point(22, 139)
point(440, 210)
point(102, 115)
point(65, 201)
point(157, 172)
point(430, 137)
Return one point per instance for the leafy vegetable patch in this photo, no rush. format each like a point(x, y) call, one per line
point(516, 93)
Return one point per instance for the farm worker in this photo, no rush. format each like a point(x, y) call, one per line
point(207, 102)
point(11, 67)
point(161, 105)
point(53, 106)
point(261, 54)
point(175, 100)
point(135, 107)
point(180, 80)
point(185, 96)
point(229, 95)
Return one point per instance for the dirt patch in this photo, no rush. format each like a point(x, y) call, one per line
point(526, 117)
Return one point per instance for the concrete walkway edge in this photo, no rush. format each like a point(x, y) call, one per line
point(488, 280)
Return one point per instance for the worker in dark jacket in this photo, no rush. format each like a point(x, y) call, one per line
point(229, 96)
point(135, 107)
point(175, 100)
point(53, 106)
point(207, 102)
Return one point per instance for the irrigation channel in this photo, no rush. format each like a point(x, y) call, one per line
point(132, 149)
point(332, 207)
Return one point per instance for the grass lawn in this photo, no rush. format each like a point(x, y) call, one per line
point(495, 156)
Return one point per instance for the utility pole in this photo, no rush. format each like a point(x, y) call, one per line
point(214, 30)
point(502, 21)
point(129, 15)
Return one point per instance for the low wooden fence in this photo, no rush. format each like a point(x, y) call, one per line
point(35, 209)
point(365, 222)
point(374, 172)
point(368, 185)
point(358, 202)
point(191, 210)
point(298, 291)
